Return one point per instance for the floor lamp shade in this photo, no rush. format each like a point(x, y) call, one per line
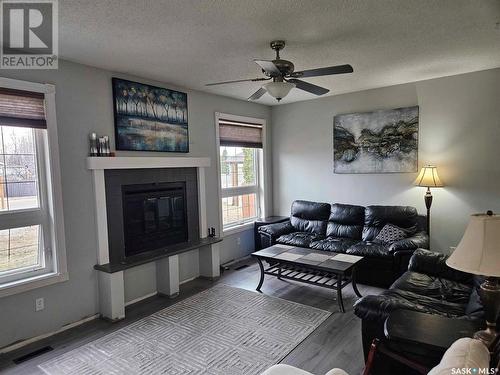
point(428, 177)
point(479, 250)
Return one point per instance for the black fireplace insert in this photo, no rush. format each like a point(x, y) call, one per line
point(154, 216)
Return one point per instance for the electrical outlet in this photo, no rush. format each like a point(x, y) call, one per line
point(39, 304)
point(238, 241)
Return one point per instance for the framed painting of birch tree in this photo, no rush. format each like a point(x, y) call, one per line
point(149, 118)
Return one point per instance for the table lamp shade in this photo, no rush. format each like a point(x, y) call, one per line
point(479, 250)
point(428, 177)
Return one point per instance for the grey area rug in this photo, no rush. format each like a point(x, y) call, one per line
point(220, 331)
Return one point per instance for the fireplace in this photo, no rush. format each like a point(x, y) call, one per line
point(154, 216)
point(150, 211)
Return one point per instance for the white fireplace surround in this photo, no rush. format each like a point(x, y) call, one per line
point(111, 284)
point(99, 164)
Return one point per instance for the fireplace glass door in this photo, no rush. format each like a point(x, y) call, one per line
point(154, 216)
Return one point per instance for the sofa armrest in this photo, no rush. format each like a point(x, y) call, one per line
point(275, 230)
point(434, 264)
point(418, 240)
point(378, 307)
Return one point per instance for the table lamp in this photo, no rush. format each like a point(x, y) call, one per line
point(479, 253)
point(428, 178)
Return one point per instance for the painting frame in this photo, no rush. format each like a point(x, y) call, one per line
point(382, 141)
point(123, 144)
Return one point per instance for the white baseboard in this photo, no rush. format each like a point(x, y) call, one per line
point(188, 280)
point(237, 260)
point(139, 299)
point(22, 343)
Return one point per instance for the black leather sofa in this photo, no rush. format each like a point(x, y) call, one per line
point(351, 229)
point(429, 286)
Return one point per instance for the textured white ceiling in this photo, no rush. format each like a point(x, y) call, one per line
point(193, 42)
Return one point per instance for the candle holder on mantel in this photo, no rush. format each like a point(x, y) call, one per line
point(99, 146)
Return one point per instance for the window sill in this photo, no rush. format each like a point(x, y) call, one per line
point(237, 229)
point(30, 283)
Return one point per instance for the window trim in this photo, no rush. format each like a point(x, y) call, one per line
point(260, 175)
point(50, 153)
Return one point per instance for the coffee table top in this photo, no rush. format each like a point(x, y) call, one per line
point(311, 258)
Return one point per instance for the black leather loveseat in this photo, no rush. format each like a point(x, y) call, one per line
point(351, 229)
point(429, 286)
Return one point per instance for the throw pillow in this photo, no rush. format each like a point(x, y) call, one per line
point(390, 233)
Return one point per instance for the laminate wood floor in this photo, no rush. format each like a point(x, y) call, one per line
point(335, 343)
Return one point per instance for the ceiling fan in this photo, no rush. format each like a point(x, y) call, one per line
point(284, 78)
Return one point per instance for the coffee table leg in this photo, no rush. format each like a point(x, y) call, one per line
point(353, 281)
point(339, 293)
point(261, 266)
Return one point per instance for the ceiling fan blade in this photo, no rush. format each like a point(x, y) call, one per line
point(238, 80)
point(309, 87)
point(338, 69)
point(257, 94)
point(268, 67)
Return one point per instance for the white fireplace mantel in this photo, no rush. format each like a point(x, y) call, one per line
point(111, 285)
point(134, 162)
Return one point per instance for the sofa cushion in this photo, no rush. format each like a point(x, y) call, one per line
point(301, 239)
point(390, 233)
point(346, 221)
point(369, 249)
point(433, 286)
point(465, 353)
point(339, 245)
point(310, 216)
point(376, 217)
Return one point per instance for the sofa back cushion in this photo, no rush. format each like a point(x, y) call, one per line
point(377, 216)
point(434, 264)
point(346, 221)
point(310, 217)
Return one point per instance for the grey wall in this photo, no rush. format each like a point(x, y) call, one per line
point(84, 104)
point(459, 132)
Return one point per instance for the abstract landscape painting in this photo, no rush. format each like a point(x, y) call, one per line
point(376, 142)
point(149, 118)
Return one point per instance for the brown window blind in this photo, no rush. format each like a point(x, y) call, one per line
point(240, 134)
point(22, 108)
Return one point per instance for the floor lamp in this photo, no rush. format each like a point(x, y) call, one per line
point(479, 253)
point(428, 178)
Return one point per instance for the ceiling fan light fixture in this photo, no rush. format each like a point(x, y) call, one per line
point(279, 90)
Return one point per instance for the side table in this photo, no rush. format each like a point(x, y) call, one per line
point(265, 221)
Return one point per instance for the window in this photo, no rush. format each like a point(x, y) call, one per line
point(240, 155)
point(28, 214)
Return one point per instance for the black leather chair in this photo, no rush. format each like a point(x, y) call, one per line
point(351, 229)
point(429, 286)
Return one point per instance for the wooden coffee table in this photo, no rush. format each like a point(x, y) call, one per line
point(320, 268)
